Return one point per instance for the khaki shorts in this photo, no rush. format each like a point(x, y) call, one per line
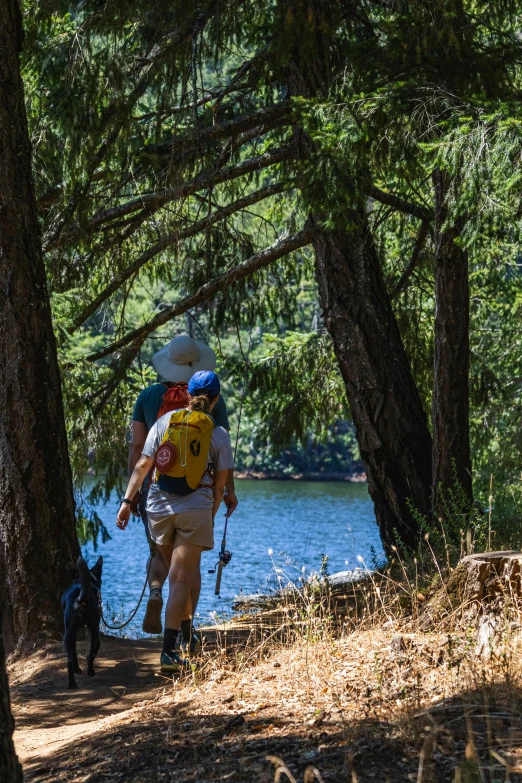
point(194, 527)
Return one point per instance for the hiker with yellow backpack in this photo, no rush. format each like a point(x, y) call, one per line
point(191, 457)
point(175, 364)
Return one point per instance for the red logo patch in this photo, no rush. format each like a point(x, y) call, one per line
point(165, 458)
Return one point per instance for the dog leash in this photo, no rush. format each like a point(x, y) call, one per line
point(119, 627)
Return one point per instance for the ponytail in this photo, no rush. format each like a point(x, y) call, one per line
point(200, 402)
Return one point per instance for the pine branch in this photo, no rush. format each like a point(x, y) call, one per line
point(170, 239)
point(281, 248)
point(153, 201)
point(415, 256)
point(235, 143)
point(119, 374)
point(201, 139)
point(117, 116)
point(399, 204)
point(247, 67)
point(214, 95)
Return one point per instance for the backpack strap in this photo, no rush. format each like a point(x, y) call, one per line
point(207, 486)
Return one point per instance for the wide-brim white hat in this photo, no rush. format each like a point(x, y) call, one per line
point(182, 357)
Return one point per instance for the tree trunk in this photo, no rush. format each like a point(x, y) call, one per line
point(391, 425)
point(451, 449)
point(37, 528)
point(10, 769)
point(390, 422)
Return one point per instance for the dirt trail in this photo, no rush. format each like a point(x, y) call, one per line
point(49, 715)
point(366, 706)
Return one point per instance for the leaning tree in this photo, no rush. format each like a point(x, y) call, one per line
point(212, 160)
point(174, 166)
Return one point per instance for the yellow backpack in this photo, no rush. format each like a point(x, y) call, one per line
point(182, 458)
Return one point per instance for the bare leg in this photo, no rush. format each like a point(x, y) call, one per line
point(195, 585)
point(195, 589)
point(158, 573)
point(160, 560)
point(192, 600)
point(159, 569)
point(184, 580)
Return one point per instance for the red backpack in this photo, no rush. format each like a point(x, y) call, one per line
point(174, 398)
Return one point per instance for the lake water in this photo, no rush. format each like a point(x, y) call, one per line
point(279, 528)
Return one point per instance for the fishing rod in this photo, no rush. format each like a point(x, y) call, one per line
point(225, 556)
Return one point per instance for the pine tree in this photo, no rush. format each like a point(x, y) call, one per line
point(200, 169)
point(37, 526)
point(391, 425)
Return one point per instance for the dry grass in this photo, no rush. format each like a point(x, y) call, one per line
point(348, 684)
point(377, 657)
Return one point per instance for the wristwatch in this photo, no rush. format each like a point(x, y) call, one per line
point(126, 500)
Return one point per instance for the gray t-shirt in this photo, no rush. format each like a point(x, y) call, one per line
point(161, 504)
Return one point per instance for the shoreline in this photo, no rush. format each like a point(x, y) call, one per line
point(252, 475)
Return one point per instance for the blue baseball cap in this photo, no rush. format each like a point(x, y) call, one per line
point(204, 382)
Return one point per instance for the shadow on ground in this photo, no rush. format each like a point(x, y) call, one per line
point(125, 673)
point(452, 740)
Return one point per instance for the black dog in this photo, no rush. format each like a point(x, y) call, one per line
point(81, 606)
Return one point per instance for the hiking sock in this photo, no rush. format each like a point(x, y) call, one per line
point(169, 640)
point(186, 631)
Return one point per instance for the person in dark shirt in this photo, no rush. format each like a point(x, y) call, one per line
point(176, 362)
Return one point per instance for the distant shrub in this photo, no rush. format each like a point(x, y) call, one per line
point(506, 520)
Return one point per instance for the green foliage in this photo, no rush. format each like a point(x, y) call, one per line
point(90, 527)
point(296, 386)
point(445, 540)
point(505, 530)
point(397, 89)
point(338, 453)
point(494, 525)
point(294, 418)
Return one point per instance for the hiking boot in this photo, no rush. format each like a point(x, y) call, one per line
point(172, 664)
point(152, 619)
point(190, 648)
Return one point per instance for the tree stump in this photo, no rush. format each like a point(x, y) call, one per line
point(493, 580)
point(482, 588)
point(483, 585)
